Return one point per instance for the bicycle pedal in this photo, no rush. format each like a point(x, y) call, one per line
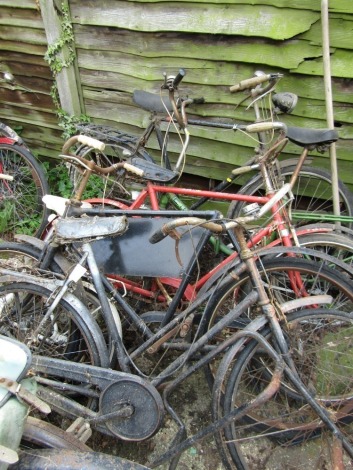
point(81, 429)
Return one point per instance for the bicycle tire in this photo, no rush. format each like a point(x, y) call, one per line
point(321, 202)
point(20, 256)
point(21, 203)
point(44, 435)
point(54, 459)
point(333, 244)
point(69, 333)
point(275, 272)
point(283, 426)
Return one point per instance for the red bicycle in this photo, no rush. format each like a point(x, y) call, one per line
point(21, 206)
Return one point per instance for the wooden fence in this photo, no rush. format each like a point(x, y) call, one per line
point(121, 46)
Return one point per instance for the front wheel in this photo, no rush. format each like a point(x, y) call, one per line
point(68, 333)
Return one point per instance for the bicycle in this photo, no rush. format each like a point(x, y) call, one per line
point(27, 441)
point(199, 339)
point(311, 195)
point(21, 203)
point(338, 244)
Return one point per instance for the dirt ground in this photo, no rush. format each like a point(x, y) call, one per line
point(193, 404)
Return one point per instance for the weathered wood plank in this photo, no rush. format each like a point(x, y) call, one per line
point(37, 100)
point(341, 65)
point(239, 19)
point(212, 48)
point(341, 33)
point(19, 4)
point(28, 35)
point(15, 46)
point(344, 6)
point(27, 18)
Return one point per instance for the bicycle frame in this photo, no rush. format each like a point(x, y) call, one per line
point(87, 374)
point(278, 224)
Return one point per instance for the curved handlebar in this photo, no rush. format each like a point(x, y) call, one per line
point(89, 164)
point(254, 81)
point(215, 227)
point(167, 228)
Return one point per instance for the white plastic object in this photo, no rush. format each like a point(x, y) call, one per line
point(133, 169)
point(264, 126)
point(277, 197)
point(58, 204)
point(90, 142)
point(13, 361)
point(6, 177)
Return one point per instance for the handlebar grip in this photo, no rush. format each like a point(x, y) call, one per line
point(90, 142)
point(249, 83)
point(264, 126)
point(181, 74)
point(242, 169)
point(157, 236)
point(133, 169)
point(6, 177)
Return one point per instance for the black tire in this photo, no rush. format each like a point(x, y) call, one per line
point(276, 272)
point(284, 429)
point(333, 244)
point(316, 181)
point(21, 256)
point(21, 206)
point(68, 334)
point(73, 460)
point(41, 434)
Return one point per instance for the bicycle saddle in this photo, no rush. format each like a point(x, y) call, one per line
point(152, 102)
point(307, 137)
point(87, 228)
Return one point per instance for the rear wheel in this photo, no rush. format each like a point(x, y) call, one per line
point(312, 196)
point(21, 206)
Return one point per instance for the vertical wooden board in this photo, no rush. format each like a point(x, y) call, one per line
point(65, 79)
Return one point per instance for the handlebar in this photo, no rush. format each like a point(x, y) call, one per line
point(255, 81)
point(171, 83)
point(89, 164)
point(169, 227)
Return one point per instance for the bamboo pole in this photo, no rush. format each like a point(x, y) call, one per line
point(329, 105)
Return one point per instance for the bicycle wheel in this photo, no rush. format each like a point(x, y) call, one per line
point(69, 334)
point(277, 274)
point(284, 432)
point(41, 434)
point(333, 244)
point(312, 195)
point(21, 206)
point(55, 459)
